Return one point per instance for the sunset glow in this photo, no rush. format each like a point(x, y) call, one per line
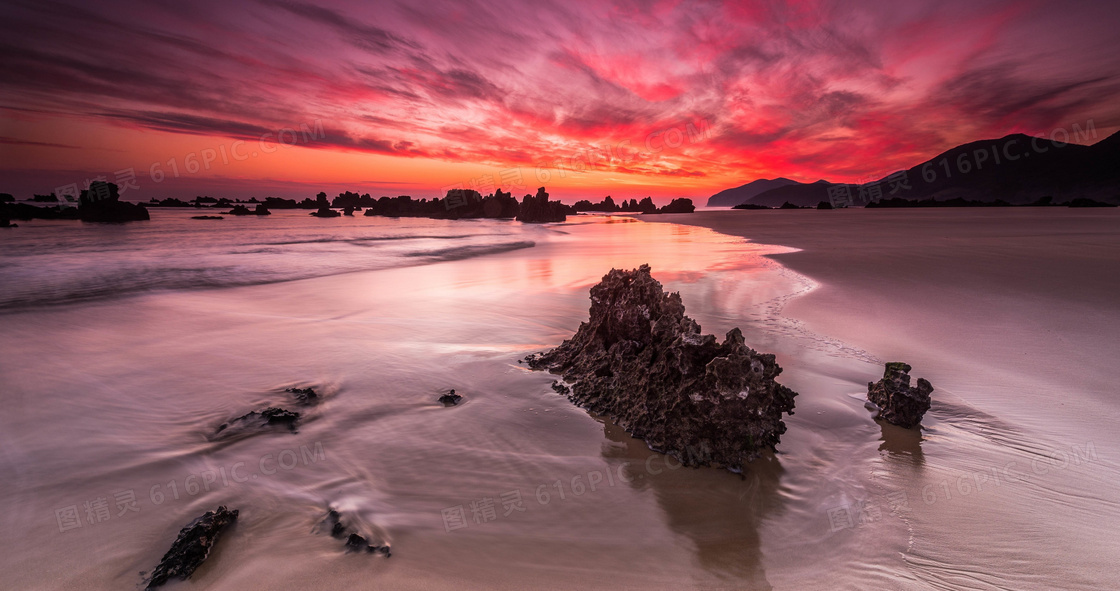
point(628, 98)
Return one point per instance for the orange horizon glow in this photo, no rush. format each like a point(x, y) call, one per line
point(665, 99)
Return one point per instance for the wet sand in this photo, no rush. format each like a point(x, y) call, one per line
point(1014, 316)
point(1010, 484)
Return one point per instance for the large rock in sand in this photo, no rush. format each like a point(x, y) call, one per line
point(192, 546)
point(899, 403)
point(641, 361)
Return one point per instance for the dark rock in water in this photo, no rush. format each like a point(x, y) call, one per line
point(537, 209)
point(348, 210)
point(681, 205)
point(242, 210)
point(640, 360)
point(304, 396)
point(101, 203)
point(325, 212)
point(899, 403)
point(270, 416)
point(6, 223)
point(192, 546)
point(207, 217)
point(561, 388)
point(355, 542)
point(450, 399)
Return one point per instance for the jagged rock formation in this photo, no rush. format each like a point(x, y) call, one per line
point(242, 210)
point(304, 396)
point(450, 399)
point(681, 205)
point(256, 420)
point(640, 360)
point(899, 403)
point(101, 203)
point(192, 546)
point(355, 542)
point(537, 209)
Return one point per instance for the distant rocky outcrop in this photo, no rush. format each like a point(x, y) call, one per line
point(326, 212)
point(898, 402)
point(192, 546)
point(242, 210)
point(537, 209)
point(643, 362)
point(681, 205)
point(607, 205)
point(101, 203)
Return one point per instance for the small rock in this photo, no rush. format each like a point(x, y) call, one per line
point(898, 402)
point(450, 399)
point(304, 396)
point(355, 542)
point(192, 546)
point(561, 388)
point(270, 416)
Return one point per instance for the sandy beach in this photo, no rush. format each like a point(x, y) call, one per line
point(1013, 315)
point(1007, 485)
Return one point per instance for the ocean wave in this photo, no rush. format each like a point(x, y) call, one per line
point(39, 281)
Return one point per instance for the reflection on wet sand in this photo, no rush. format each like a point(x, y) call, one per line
point(719, 512)
point(902, 445)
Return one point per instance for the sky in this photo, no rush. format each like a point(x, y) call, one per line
point(588, 98)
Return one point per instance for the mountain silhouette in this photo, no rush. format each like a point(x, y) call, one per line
point(743, 194)
point(1017, 168)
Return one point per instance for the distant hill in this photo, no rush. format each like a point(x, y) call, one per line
point(743, 194)
point(1018, 169)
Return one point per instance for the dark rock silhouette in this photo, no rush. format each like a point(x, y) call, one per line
point(6, 223)
point(643, 362)
point(101, 203)
point(607, 205)
point(355, 542)
point(207, 217)
point(537, 209)
point(681, 205)
point(824, 205)
point(1086, 202)
point(242, 210)
point(304, 396)
point(450, 399)
point(192, 546)
point(751, 206)
point(7, 198)
point(899, 403)
point(325, 212)
point(256, 420)
point(26, 211)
